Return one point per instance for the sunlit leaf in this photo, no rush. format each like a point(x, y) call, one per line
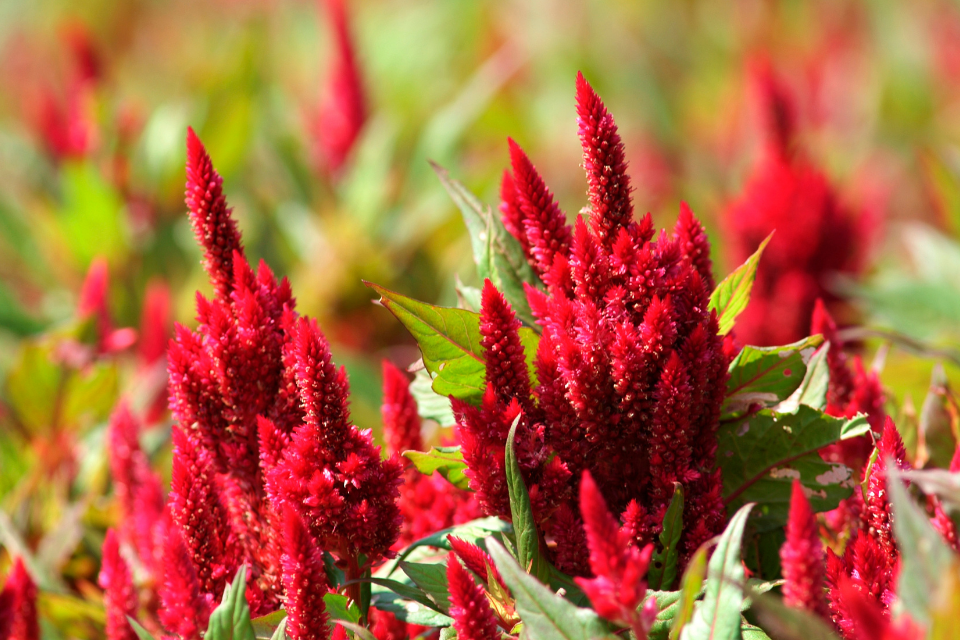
point(446, 461)
point(731, 296)
point(767, 375)
point(663, 565)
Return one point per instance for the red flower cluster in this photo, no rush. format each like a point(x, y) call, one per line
point(268, 469)
point(630, 369)
point(816, 234)
point(18, 606)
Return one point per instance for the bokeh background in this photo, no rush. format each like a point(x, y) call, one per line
point(97, 97)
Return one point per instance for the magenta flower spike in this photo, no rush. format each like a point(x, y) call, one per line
point(304, 580)
point(401, 422)
point(802, 558)
point(868, 621)
point(184, 610)
point(472, 616)
point(18, 605)
point(476, 559)
point(605, 164)
point(877, 512)
point(119, 595)
point(618, 586)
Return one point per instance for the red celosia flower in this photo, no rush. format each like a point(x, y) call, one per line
point(401, 422)
point(119, 596)
point(868, 621)
point(304, 580)
point(155, 323)
point(877, 511)
point(138, 489)
point(802, 558)
point(629, 356)
point(816, 235)
point(265, 424)
point(476, 559)
point(183, 609)
point(473, 618)
point(619, 567)
point(343, 107)
point(18, 605)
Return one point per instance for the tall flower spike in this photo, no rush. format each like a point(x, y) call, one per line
point(868, 619)
point(119, 597)
point(605, 164)
point(472, 616)
point(183, 609)
point(619, 567)
point(476, 559)
point(878, 512)
point(803, 559)
point(18, 605)
point(543, 225)
point(511, 214)
point(213, 227)
point(401, 422)
point(304, 580)
point(695, 245)
point(500, 339)
point(343, 109)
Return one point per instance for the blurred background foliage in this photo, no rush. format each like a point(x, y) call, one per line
point(97, 97)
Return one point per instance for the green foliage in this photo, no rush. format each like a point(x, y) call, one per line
point(231, 619)
point(762, 454)
point(717, 616)
point(447, 461)
point(524, 526)
point(731, 296)
point(767, 375)
point(663, 564)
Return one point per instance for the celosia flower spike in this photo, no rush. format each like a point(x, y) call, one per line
point(401, 422)
point(695, 245)
point(119, 596)
point(878, 512)
point(605, 164)
point(343, 109)
point(18, 605)
point(476, 559)
point(619, 567)
point(868, 620)
point(543, 225)
point(214, 228)
point(511, 214)
point(183, 609)
point(803, 559)
point(500, 338)
point(304, 580)
point(777, 107)
point(472, 616)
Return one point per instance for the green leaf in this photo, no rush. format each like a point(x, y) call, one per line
point(718, 616)
point(265, 627)
point(142, 633)
point(690, 587)
point(474, 532)
point(280, 633)
point(787, 623)
point(668, 605)
point(498, 254)
point(762, 454)
point(404, 590)
point(92, 222)
point(750, 632)
point(731, 296)
point(340, 607)
point(231, 619)
point(521, 512)
point(767, 375)
point(924, 556)
point(545, 615)
point(410, 606)
point(362, 633)
point(447, 461)
point(432, 580)
point(813, 390)
point(663, 566)
point(449, 341)
point(430, 404)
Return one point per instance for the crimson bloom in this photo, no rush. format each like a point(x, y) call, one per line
point(119, 597)
point(473, 618)
point(18, 605)
point(802, 558)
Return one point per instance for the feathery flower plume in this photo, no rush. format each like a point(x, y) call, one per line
point(304, 580)
point(401, 422)
point(343, 108)
point(816, 237)
point(476, 559)
point(18, 605)
point(619, 567)
point(869, 621)
point(119, 596)
point(630, 369)
point(803, 559)
point(138, 489)
point(473, 618)
point(183, 609)
point(877, 511)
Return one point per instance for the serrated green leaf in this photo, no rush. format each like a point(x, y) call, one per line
point(498, 254)
point(717, 617)
point(524, 524)
point(924, 556)
point(231, 619)
point(446, 461)
point(663, 565)
point(430, 404)
point(432, 580)
point(731, 296)
point(690, 587)
point(767, 375)
point(545, 615)
point(761, 455)
point(449, 340)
